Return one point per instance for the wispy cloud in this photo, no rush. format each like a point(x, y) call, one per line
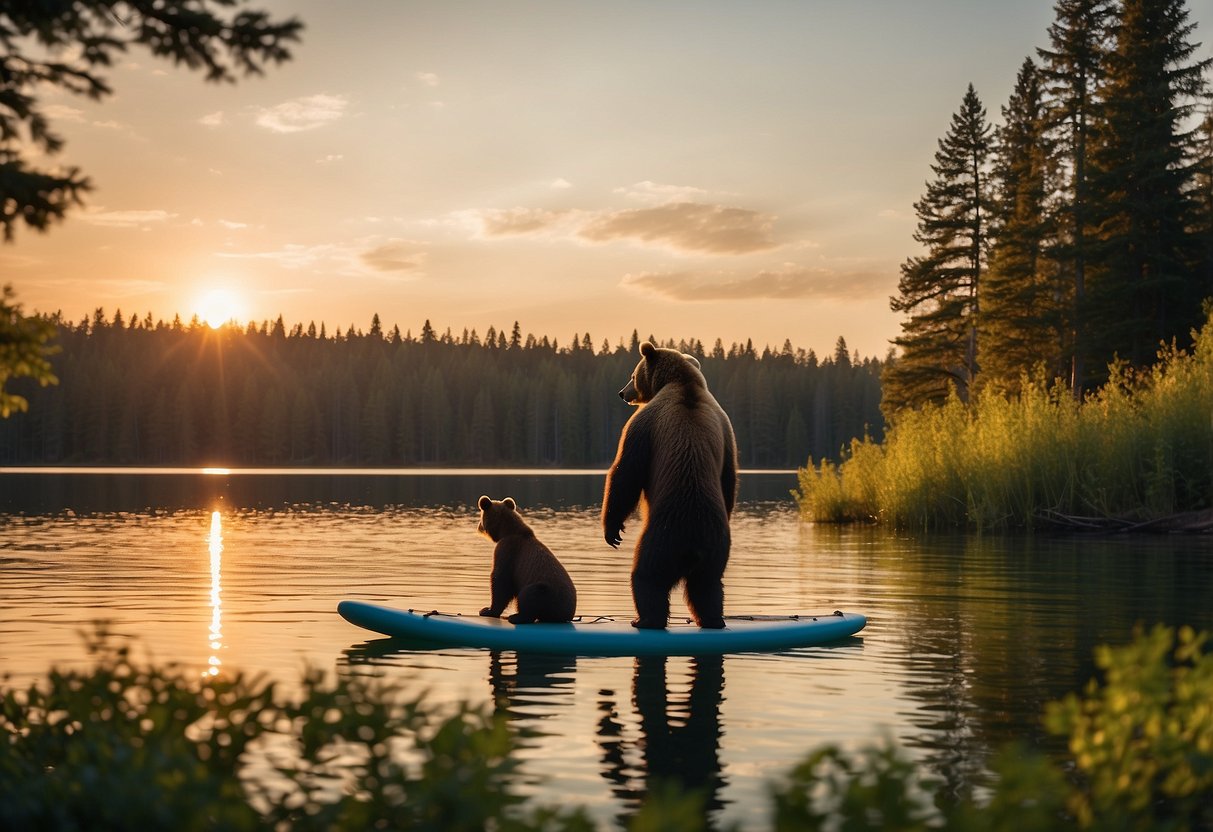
point(687, 227)
point(560, 184)
point(306, 113)
point(62, 112)
point(232, 225)
point(357, 258)
point(395, 256)
point(430, 79)
point(656, 193)
point(789, 283)
point(293, 255)
point(514, 221)
point(216, 119)
point(126, 219)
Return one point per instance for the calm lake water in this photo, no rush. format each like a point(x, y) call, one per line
point(968, 636)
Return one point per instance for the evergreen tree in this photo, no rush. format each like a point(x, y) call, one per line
point(1142, 290)
point(1021, 324)
point(1071, 70)
point(938, 290)
point(1203, 195)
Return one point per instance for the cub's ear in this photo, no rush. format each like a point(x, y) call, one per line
point(509, 503)
point(647, 349)
point(692, 359)
point(484, 503)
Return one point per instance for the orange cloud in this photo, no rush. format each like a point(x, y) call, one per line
point(394, 256)
point(519, 221)
point(788, 284)
point(687, 226)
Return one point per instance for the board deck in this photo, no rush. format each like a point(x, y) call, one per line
point(605, 636)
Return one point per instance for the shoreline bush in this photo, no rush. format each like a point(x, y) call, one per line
point(1137, 451)
point(126, 745)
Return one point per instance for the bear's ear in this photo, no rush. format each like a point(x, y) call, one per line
point(693, 360)
point(509, 503)
point(484, 503)
point(647, 349)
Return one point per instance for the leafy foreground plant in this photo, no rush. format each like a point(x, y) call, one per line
point(129, 746)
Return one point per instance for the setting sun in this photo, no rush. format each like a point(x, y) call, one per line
point(217, 307)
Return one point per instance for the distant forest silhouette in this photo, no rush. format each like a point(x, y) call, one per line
point(134, 392)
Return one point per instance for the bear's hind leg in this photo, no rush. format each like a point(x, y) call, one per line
point(530, 604)
point(537, 602)
point(705, 597)
point(652, 580)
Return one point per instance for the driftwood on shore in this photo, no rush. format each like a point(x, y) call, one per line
point(1187, 522)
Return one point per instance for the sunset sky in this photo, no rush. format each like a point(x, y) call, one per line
point(686, 169)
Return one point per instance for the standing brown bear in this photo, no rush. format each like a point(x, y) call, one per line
point(523, 568)
point(678, 458)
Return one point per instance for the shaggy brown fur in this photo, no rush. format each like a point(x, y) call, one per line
point(678, 459)
point(523, 568)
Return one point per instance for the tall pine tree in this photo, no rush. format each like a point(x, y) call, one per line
point(1142, 288)
point(1071, 70)
point(1021, 324)
point(1202, 227)
point(938, 290)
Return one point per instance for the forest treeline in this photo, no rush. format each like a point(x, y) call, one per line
point(134, 392)
point(1078, 232)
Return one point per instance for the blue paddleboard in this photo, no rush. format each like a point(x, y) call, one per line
point(606, 636)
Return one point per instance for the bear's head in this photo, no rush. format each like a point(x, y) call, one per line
point(498, 517)
point(658, 367)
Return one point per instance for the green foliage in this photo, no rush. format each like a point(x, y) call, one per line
point(144, 393)
point(24, 350)
point(1142, 745)
point(1142, 742)
point(874, 789)
point(127, 745)
point(1140, 449)
point(133, 745)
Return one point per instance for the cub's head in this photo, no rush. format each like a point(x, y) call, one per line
point(498, 517)
point(657, 368)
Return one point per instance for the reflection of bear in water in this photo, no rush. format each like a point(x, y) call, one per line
point(679, 739)
point(678, 458)
point(523, 568)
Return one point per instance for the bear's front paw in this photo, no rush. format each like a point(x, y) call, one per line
point(488, 611)
point(613, 538)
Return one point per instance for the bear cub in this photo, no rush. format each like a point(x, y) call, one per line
point(523, 568)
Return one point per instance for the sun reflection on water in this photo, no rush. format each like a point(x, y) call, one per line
point(215, 544)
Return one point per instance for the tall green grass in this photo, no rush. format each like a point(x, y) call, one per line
point(1139, 449)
